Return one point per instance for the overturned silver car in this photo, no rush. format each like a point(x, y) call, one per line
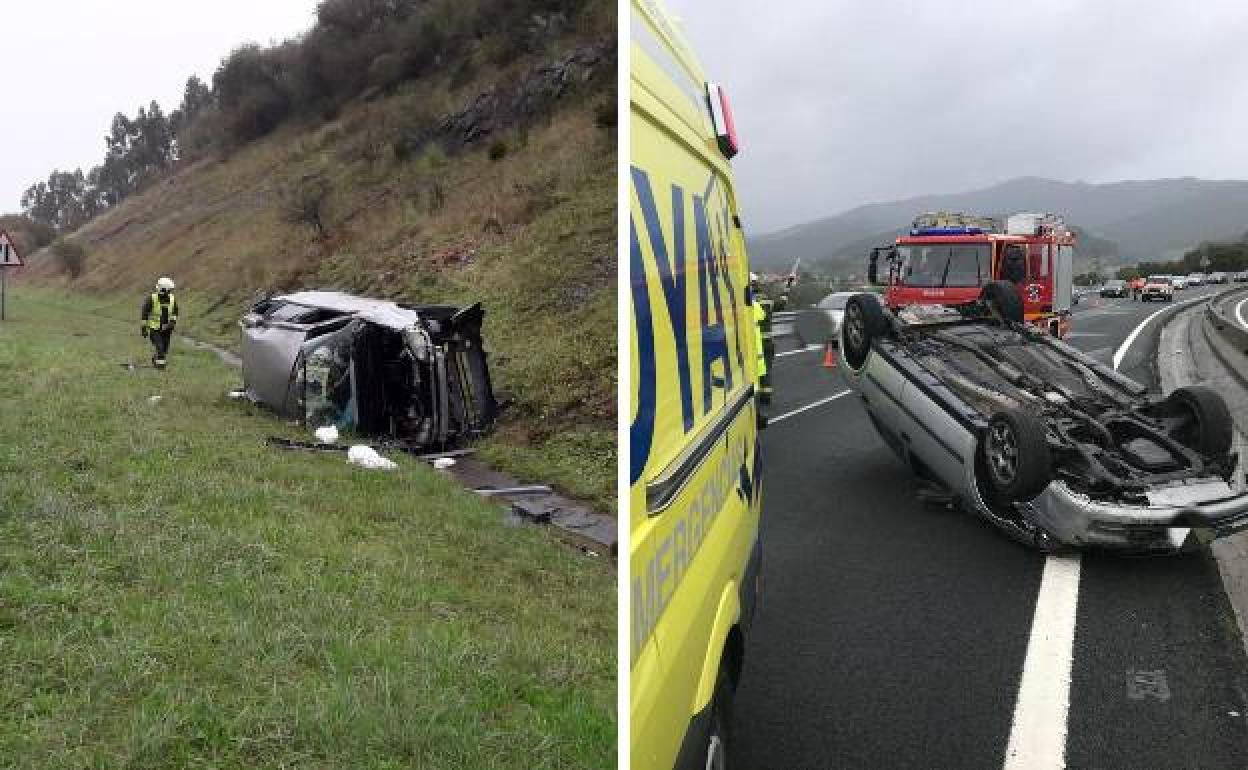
point(415, 373)
point(1047, 443)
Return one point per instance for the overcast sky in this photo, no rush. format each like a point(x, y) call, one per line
point(844, 102)
point(68, 66)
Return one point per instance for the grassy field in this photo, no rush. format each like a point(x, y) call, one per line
point(173, 593)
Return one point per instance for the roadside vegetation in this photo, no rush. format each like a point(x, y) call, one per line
point(428, 151)
point(1222, 256)
point(174, 593)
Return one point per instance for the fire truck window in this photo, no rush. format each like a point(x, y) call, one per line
point(943, 264)
point(964, 262)
point(1038, 260)
point(923, 265)
point(1014, 264)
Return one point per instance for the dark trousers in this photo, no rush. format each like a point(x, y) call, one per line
point(160, 341)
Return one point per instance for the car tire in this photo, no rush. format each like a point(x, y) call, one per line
point(1016, 458)
point(864, 321)
point(1002, 298)
point(1211, 433)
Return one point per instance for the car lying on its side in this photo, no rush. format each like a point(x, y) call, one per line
point(414, 373)
point(1115, 288)
point(1158, 287)
point(1047, 443)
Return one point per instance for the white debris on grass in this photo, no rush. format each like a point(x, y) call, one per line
point(367, 457)
point(238, 394)
point(442, 463)
point(154, 399)
point(327, 434)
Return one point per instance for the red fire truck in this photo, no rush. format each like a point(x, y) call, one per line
point(947, 257)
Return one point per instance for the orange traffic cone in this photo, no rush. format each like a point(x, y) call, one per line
point(829, 358)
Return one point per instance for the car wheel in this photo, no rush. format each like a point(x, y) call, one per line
point(1002, 298)
point(1016, 455)
point(1209, 431)
point(864, 321)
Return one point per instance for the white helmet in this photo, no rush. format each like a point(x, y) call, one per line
point(165, 283)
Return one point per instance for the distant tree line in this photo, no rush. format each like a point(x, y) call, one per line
point(355, 46)
point(1223, 257)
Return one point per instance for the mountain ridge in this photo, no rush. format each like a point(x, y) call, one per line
point(1144, 218)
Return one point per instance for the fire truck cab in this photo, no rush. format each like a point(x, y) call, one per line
point(947, 258)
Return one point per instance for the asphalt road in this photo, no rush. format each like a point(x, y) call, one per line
point(894, 634)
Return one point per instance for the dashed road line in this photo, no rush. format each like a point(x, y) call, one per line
point(799, 410)
point(806, 349)
point(1038, 732)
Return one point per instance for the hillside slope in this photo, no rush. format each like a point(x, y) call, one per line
point(1146, 219)
point(499, 190)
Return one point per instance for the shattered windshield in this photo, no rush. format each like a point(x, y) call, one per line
point(328, 386)
point(943, 264)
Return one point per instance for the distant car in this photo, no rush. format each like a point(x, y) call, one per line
point(1216, 278)
point(1158, 287)
point(414, 373)
point(1195, 279)
point(833, 306)
point(1179, 281)
point(1115, 288)
point(1241, 276)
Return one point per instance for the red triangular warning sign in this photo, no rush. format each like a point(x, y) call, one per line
point(9, 257)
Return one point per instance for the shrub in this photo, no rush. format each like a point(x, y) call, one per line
point(498, 150)
point(303, 201)
point(72, 256)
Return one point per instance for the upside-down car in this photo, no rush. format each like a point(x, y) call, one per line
point(1047, 443)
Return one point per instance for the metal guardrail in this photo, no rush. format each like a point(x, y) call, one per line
point(1226, 337)
point(1221, 319)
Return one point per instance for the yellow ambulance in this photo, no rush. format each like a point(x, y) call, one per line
point(694, 459)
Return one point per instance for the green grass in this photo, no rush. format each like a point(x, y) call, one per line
point(173, 593)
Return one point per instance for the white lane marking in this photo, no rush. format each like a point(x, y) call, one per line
point(806, 349)
point(1038, 733)
point(1239, 313)
point(1121, 352)
point(799, 410)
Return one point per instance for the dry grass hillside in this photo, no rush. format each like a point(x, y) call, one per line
point(522, 219)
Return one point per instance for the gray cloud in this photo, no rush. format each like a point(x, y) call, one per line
point(848, 102)
point(67, 67)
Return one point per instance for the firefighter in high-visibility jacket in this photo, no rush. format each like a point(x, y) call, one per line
point(762, 327)
point(159, 317)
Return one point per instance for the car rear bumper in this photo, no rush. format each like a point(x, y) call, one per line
point(1162, 526)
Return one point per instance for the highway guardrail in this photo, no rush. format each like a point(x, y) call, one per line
point(1227, 337)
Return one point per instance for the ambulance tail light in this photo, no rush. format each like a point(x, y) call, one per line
point(721, 118)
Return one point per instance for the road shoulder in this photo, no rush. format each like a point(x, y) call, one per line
point(1185, 357)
